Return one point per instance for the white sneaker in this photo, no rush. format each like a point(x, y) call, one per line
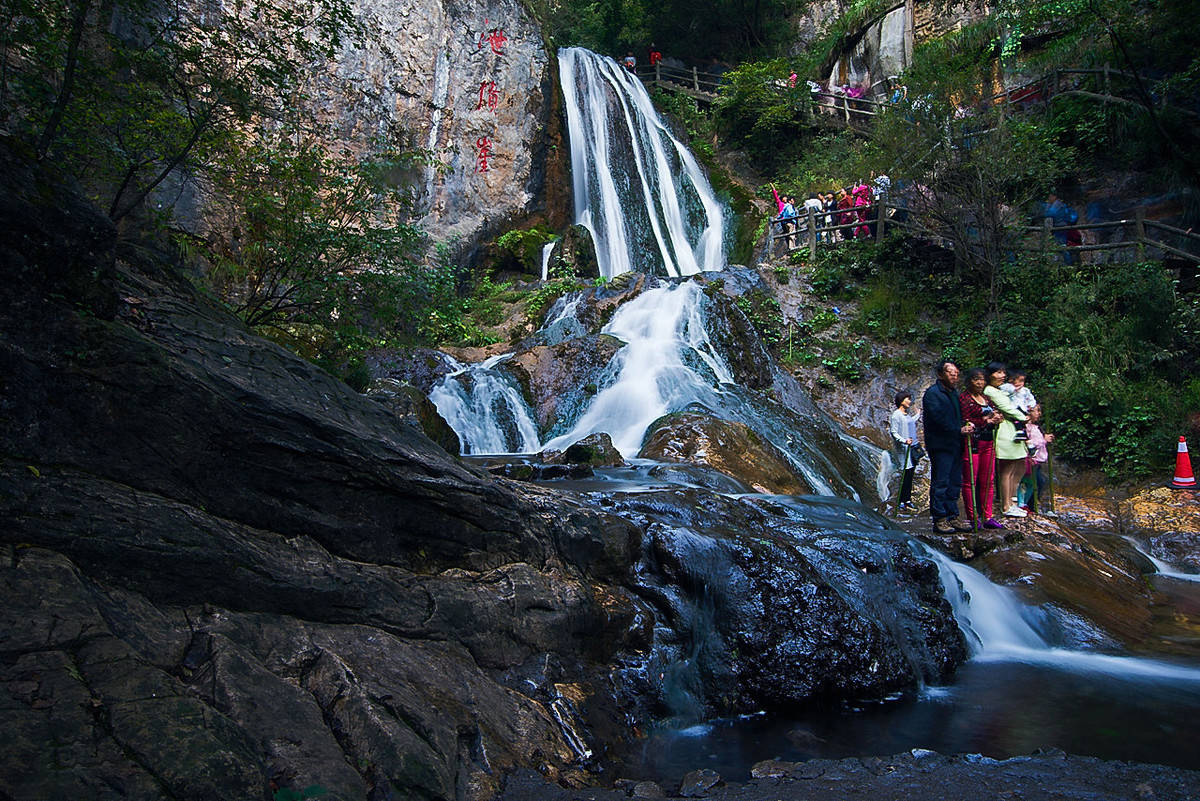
point(1015, 511)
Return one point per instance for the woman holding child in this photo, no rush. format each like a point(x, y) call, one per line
point(1010, 453)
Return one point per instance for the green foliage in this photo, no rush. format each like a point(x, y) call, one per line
point(538, 302)
point(521, 249)
point(848, 360)
point(758, 112)
point(827, 161)
point(762, 309)
point(729, 28)
point(126, 97)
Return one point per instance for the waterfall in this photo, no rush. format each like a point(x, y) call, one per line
point(547, 250)
point(485, 408)
point(998, 628)
point(668, 362)
point(638, 189)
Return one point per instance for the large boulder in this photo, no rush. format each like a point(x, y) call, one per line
point(413, 407)
point(729, 447)
point(559, 380)
point(770, 604)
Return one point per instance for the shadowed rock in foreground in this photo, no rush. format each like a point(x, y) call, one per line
point(224, 573)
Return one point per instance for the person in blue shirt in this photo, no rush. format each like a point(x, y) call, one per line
point(944, 430)
point(1061, 216)
point(787, 221)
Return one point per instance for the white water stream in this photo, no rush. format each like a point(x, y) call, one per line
point(668, 362)
point(638, 189)
point(996, 624)
point(486, 409)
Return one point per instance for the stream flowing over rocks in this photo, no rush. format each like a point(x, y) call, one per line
point(225, 573)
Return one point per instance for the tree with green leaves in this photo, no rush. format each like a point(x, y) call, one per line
point(133, 96)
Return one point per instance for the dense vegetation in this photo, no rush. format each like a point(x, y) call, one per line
point(1112, 346)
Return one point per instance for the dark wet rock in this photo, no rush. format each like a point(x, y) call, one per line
point(575, 253)
point(936, 777)
point(558, 380)
point(223, 572)
point(967, 545)
point(524, 471)
point(771, 604)
point(596, 450)
point(698, 782)
point(1180, 548)
point(857, 462)
point(413, 407)
point(423, 368)
point(698, 476)
point(732, 448)
point(771, 768)
point(1169, 519)
point(648, 790)
point(734, 334)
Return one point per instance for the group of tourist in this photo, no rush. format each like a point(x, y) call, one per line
point(983, 438)
point(843, 206)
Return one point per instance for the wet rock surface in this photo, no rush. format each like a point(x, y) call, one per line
point(1094, 586)
point(768, 604)
point(921, 775)
point(412, 406)
point(225, 573)
point(559, 379)
point(1170, 520)
point(732, 448)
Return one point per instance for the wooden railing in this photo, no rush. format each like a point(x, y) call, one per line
point(693, 82)
point(810, 231)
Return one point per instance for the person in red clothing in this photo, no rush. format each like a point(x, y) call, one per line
point(655, 55)
point(845, 217)
point(978, 460)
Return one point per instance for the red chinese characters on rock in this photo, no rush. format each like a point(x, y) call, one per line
point(483, 152)
point(489, 96)
point(493, 37)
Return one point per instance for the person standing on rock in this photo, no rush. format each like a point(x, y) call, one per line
point(979, 459)
point(944, 432)
point(905, 449)
point(1010, 452)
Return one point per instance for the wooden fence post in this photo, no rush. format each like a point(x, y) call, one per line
point(1139, 218)
point(880, 216)
point(658, 73)
point(1047, 236)
point(695, 79)
point(812, 234)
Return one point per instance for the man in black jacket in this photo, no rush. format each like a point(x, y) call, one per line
point(944, 430)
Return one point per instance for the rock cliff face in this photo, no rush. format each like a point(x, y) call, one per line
point(474, 87)
point(224, 572)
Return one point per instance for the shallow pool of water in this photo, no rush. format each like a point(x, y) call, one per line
point(998, 709)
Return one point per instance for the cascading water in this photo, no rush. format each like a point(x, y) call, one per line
point(998, 628)
point(486, 410)
point(667, 363)
point(638, 189)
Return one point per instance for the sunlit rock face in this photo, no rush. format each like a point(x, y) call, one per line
point(472, 86)
point(730, 447)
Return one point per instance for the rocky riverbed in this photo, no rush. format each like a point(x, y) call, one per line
point(918, 774)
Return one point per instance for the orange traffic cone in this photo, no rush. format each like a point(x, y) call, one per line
point(1183, 468)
